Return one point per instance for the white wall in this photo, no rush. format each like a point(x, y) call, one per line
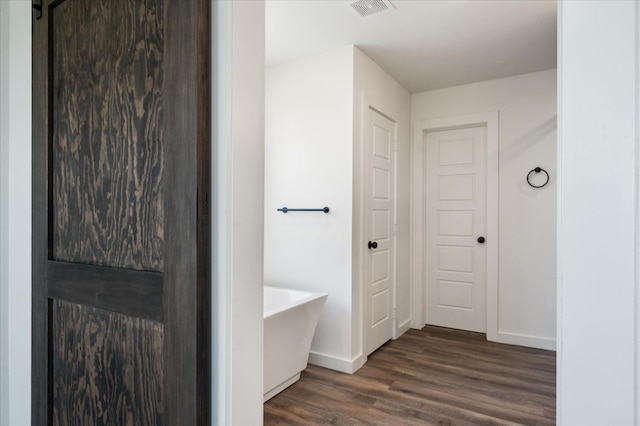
point(599, 217)
point(314, 116)
point(4, 213)
point(237, 211)
point(527, 216)
point(308, 164)
point(15, 212)
point(373, 87)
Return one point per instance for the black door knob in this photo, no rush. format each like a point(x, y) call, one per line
point(481, 240)
point(372, 245)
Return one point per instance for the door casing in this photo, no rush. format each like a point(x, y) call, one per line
point(418, 303)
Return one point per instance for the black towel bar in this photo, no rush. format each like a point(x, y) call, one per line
point(286, 209)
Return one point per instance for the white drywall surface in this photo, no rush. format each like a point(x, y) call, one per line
point(314, 110)
point(527, 217)
point(237, 211)
point(597, 251)
point(374, 88)
point(309, 164)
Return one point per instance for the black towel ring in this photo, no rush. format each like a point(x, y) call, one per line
point(538, 170)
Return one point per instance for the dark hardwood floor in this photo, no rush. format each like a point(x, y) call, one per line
point(433, 376)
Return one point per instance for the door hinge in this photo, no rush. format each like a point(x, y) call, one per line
point(37, 6)
point(395, 145)
point(393, 313)
point(394, 229)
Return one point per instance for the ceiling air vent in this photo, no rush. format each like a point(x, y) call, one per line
point(366, 8)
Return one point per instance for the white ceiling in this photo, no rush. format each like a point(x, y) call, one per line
point(423, 44)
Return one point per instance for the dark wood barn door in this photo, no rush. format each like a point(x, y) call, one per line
point(121, 305)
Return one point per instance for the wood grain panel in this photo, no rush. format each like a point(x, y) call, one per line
point(436, 376)
point(107, 97)
point(125, 291)
point(187, 271)
point(107, 367)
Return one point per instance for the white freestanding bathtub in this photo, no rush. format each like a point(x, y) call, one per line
point(290, 319)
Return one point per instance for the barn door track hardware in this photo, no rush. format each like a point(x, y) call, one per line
point(37, 6)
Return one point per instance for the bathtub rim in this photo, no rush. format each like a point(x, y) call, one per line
point(308, 297)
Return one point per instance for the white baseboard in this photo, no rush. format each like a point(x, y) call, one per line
point(403, 328)
point(523, 340)
point(335, 363)
point(282, 386)
point(508, 338)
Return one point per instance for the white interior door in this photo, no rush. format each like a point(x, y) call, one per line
point(379, 208)
point(455, 206)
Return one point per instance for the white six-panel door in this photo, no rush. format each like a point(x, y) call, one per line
point(455, 206)
point(379, 215)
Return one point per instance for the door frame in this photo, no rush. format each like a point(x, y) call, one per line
point(417, 244)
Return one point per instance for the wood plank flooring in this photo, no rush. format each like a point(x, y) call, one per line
point(433, 376)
